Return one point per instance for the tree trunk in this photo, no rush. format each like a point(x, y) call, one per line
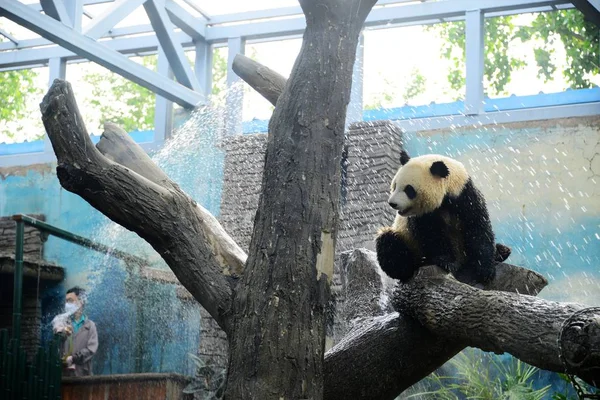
point(278, 337)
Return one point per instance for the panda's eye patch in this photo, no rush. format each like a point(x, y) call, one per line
point(410, 192)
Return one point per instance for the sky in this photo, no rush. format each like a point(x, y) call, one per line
point(391, 57)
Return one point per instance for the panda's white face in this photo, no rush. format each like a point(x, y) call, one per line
point(421, 184)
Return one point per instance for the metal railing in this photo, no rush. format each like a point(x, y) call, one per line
point(39, 379)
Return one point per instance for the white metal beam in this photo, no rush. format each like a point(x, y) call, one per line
point(142, 44)
point(475, 55)
point(355, 107)
point(57, 10)
point(104, 22)
point(38, 6)
point(94, 51)
point(203, 66)
point(195, 27)
point(500, 117)
point(168, 43)
point(380, 16)
point(75, 11)
point(163, 108)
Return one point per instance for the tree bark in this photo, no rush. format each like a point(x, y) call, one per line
point(159, 212)
point(262, 79)
point(278, 337)
point(384, 355)
point(524, 326)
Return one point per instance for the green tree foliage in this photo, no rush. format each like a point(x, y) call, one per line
point(122, 101)
point(416, 86)
point(579, 37)
point(16, 87)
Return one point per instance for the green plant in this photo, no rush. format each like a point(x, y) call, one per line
point(482, 376)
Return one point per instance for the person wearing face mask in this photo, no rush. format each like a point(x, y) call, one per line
point(79, 334)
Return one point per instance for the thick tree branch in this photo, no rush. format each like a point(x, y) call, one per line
point(524, 326)
point(161, 214)
point(118, 146)
point(262, 79)
point(384, 355)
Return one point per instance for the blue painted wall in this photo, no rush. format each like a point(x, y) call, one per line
point(142, 324)
point(541, 183)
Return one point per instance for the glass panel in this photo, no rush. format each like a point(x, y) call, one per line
point(410, 65)
point(105, 96)
point(280, 56)
point(21, 92)
point(541, 52)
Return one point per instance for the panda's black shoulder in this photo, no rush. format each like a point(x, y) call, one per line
point(470, 198)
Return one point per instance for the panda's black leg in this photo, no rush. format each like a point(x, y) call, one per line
point(447, 263)
point(394, 256)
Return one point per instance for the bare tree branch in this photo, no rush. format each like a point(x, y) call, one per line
point(385, 355)
point(166, 218)
point(524, 326)
point(118, 146)
point(262, 79)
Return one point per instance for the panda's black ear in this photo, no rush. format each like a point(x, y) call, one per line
point(440, 169)
point(404, 157)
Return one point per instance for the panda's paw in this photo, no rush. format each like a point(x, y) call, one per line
point(394, 256)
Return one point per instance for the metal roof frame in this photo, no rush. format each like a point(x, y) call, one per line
point(173, 29)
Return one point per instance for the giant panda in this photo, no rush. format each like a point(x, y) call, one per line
point(441, 219)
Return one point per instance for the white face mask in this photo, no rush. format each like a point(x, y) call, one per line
point(71, 308)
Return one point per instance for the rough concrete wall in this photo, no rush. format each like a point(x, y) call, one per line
point(242, 178)
point(372, 160)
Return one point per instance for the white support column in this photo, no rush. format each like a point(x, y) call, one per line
point(355, 108)
point(203, 66)
point(474, 62)
point(234, 102)
point(163, 109)
point(75, 12)
point(57, 69)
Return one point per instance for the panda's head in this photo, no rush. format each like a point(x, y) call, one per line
point(422, 183)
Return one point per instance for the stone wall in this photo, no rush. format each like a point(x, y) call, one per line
point(31, 305)
point(242, 178)
point(32, 247)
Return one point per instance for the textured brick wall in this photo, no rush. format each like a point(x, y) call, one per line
point(242, 178)
point(31, 311)
point(33, 246)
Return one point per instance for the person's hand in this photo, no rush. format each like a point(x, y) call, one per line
point(68, 330)
point(69, 361)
